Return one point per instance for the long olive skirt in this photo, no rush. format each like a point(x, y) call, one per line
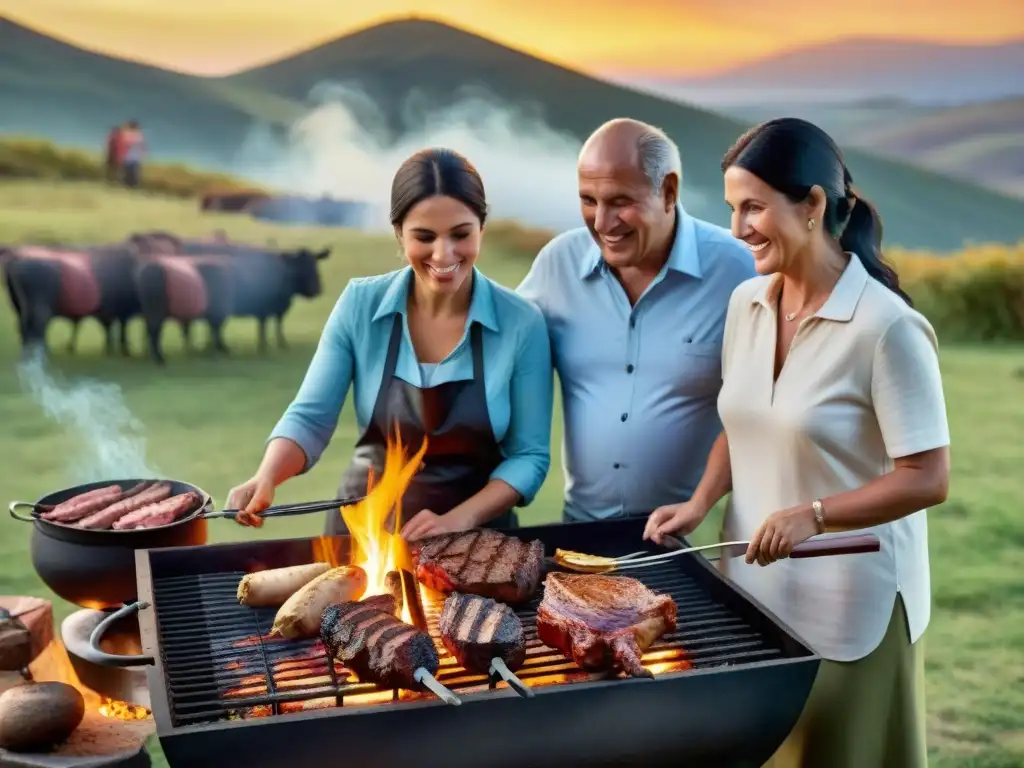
point(867, 713)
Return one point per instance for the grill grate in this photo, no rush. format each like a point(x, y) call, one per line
point(219, 664)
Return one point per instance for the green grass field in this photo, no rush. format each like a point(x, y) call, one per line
point(206, 420)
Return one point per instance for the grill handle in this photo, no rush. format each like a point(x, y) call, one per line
point(104, 659)
point(837, 545)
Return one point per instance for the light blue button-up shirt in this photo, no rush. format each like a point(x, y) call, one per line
point(639, 384)
point(354, 344)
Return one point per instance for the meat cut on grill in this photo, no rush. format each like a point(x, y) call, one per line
point(603, 622)
point(367, 637)
point(161, 513)
point(481, 562)
point(130, 502)
point(476, 630)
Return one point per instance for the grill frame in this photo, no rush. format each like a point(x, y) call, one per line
point(734, 715)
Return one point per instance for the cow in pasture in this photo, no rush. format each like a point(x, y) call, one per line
point(231, 202)
point(46, 282)
point(240, 282)
point(160, 243)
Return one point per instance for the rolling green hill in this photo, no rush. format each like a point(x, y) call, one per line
point(56, 89)
point(72, 96)
point(980, 142)
point(392, 60)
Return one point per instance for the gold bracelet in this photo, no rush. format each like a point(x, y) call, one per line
point(819, 514)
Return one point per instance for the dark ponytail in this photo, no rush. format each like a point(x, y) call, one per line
point(792, 156)
point(432, 172)
point(862, 234)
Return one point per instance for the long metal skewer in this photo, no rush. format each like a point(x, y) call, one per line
point(428, 681)
point(500, 669)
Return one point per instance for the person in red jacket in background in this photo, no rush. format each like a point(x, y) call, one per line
point(115, 152)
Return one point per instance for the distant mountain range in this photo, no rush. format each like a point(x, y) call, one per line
point(411, 69)
point(982, 143)
point(859, 68)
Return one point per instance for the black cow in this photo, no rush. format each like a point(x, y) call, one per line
point(254, 297)
point(239, 282)
point(41, 286)
point(16, 274)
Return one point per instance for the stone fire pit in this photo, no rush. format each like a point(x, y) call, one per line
point(101, 739)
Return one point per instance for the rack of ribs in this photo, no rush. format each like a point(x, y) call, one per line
point(481, 562)
point(367, 637)
point(486, 637)
point(603, 622)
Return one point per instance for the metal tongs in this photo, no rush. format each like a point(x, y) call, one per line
point(813, 547)
point(288, 510)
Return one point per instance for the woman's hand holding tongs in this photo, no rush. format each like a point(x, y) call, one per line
point(250, 498)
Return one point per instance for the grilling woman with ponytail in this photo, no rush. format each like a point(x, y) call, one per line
point(436, 349)
point(833, 420)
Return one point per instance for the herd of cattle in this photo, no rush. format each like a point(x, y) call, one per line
point(158, 277)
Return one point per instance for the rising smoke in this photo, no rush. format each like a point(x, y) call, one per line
point(529, 170)
point(105, 441)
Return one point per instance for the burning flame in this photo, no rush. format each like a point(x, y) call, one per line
point(375, 522)
point(122, 710)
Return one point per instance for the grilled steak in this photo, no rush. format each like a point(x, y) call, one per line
point(161, 513)
point(477, 629)
point(603, 622)
point(83, 505)
point(128, 503)
point(366, 637)
point(481, 562)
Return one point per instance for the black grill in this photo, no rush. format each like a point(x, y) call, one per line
point(221, 687)
point(219, 663)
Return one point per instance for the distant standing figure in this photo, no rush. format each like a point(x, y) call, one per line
point(115, 152)
point(134, 150)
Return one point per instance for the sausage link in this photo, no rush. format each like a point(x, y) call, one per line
point(108, 516)
point(56, 511)
point(76, 508)
point(162, 513)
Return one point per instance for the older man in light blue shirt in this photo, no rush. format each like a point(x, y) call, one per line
point(635, 305)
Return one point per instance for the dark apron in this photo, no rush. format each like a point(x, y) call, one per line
point(461, 450)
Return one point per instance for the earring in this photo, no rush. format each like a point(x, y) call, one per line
point(810, 224)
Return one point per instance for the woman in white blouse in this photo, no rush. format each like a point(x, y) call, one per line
point(834, 419)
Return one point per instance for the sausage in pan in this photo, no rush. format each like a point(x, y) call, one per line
point(161, 513)
point(107, 517)
point(83, 505)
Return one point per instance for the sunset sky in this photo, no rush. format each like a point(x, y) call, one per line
point(636, 37)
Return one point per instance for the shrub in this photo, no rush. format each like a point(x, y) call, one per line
point(972, 295)
point(36, 159)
